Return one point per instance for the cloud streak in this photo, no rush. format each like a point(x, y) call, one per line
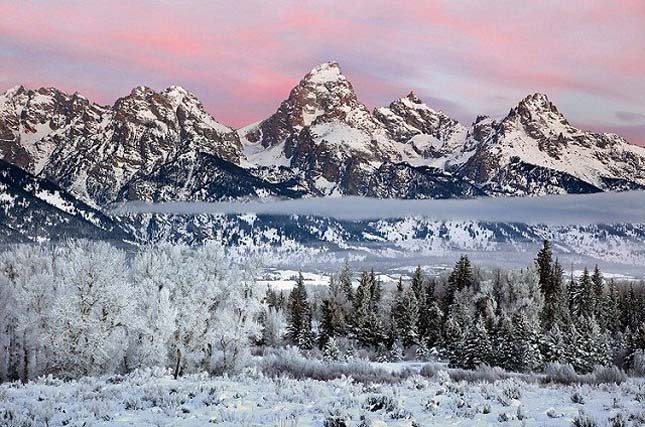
point(627, 207)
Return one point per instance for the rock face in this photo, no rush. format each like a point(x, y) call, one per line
point(163, 146)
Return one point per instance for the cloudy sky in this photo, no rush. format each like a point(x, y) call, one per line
point(242, 57)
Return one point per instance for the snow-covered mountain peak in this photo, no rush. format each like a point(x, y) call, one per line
point(327, 72)
point(412, 97)
point(538, 108)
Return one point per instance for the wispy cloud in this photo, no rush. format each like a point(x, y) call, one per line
point(600, 208)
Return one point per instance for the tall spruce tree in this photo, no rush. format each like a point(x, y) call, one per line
point(299, 322)
point(598, 293)
point(544, 264)
point(477, 349)
point(345, 280)
point(460, 278)
point(410, 317)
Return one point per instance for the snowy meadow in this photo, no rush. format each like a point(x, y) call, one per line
point(174, 335)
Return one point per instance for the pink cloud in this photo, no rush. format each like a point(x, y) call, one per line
point(242, 58)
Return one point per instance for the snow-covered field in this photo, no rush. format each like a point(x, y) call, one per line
point(153, 398)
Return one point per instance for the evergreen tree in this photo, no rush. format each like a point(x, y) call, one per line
point(396, 354)
point(367, 326)
point(544, 264)
point(434, 318)
point(417, 284)
point(526, 343)
point(477, 347)
point(598, 292)
point(460, 278)
point(410, 317)
point(588, 299)
point(554, 347)
point(423, 352)
point(452, 341)
point(331, 352)
point(612, 308)
point(345, 280)
point(554, 309)
point(299, 322)
point(502, 343)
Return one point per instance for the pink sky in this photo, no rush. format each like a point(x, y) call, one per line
point(242, 58)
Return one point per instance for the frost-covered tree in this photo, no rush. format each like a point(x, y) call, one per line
point(345, 281)
point(93, 310)
point(332, 323)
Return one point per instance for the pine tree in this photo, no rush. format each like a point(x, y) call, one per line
point(410, 317)
point(588, 300)
point(396, 354)
point(460, 278)
point(612, 308)
point(423, 352)
point(452, 341)
point(477, 348)
point(554, 309)
point(526, 343)
point(299, 323)
point(345, 280)
point(598, 292)
point(367, 327)
point(544, 264)
point(417, 284)
point(331, 352)
point(554, 347)
point(502, 343)
point(434, 319)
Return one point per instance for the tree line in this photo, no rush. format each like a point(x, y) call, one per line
point(88, 308)
point(517, 320)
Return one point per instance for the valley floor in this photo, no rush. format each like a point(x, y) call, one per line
point(153, 398)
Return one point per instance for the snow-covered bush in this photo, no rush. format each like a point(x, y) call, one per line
point(584, 420)
point(639, 363)
point(608, 375)
point(560, 373)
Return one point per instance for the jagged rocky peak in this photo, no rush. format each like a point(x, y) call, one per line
point(323, 95)
point(539, 109)
point(481, 128)
point(409, 116)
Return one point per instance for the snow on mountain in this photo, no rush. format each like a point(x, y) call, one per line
point(535, 135)
point(29, 117)
point(36, 210)
point(432, 135)
point(321, 141)
point(340, 147)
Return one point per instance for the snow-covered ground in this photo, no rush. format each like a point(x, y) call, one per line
point(153, 398)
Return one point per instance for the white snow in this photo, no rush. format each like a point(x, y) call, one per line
point(152, 398)
point(324, 73)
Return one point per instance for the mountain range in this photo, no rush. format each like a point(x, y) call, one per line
point(321, 141)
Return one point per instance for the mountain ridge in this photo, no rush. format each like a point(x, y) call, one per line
point(321, 141)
